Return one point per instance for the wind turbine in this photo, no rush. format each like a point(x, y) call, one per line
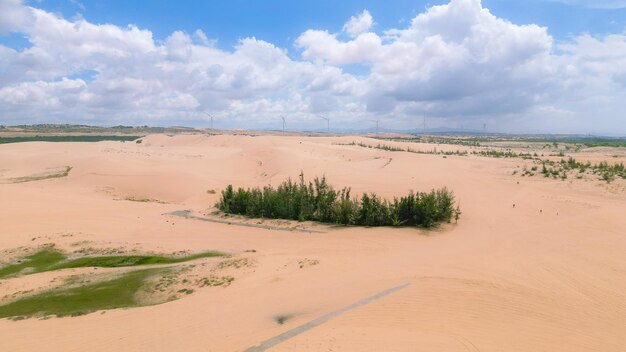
point(327, 122)
point(284, 123)
point(376, 125)
point(211, 116)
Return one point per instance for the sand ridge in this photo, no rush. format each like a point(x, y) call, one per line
point(548, 274)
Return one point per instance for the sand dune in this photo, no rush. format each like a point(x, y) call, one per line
point(546, 275)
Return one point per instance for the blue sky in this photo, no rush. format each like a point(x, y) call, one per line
point(520, 66)
point(281, 21)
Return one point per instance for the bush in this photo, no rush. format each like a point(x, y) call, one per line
point(319, 201)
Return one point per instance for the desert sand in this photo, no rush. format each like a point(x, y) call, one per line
point(546, 275)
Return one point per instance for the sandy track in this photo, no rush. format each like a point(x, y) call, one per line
point(285, 336)
point(549, 274)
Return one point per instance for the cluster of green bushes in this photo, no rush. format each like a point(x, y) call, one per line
point(467, 141)
point(439, 152)
point(588, 142)
point(385, 147)
point(554, 172)
point(576, 142)
point(526, 172)
point(606, 171)
point(319, 201)
point(484, 153)
point(506, 154)
point(391, 148)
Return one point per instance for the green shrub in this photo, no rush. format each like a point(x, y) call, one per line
point(319, 201)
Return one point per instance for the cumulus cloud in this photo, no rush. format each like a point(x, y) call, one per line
point(13, 16)
point(131, 74)
point(358, 24)
point(455, 62)
point(453, 59)
point(43, 93)
point(461, 53)
point(203, 39)
point(324, 47)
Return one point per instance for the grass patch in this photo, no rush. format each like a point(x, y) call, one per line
point(111, 294)
point(132, 260)
point(62, 173)
point(48, 260)
point(39, 262)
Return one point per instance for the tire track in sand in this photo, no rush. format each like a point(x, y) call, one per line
point(263, 346)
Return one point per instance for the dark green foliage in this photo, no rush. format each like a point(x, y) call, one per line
point(346, 208)
point(373, 211)
point(68, 138)
point(318, 201)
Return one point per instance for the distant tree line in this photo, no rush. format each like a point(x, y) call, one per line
point(319, 201)
point(67, 138)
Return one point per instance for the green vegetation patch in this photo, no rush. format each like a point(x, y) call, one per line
point(111, 294)
point(132, 260)
point(48, 260)
point(39, 262)
point(607, 172)
point(391, 148)
point(318, 201)
point(467, 139)
point(79, 138)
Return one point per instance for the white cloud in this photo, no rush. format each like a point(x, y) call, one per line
point(178, 46)
point(42, 93)
point(132, 75)
point(324, 47)
point(12, 16)
point(460, 59)
point(203, 39)
point(456, 62)
point(359, 24)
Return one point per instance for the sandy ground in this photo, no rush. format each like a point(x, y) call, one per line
point(546, 275)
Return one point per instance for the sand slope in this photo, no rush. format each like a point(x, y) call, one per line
point(549, 274)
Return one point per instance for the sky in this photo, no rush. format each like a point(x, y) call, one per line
point(534, 66)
